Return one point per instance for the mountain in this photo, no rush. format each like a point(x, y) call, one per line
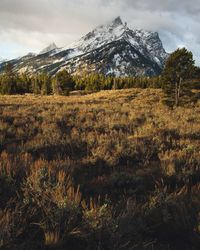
point(111, 49)
point(2, 59)
point(49, 48)
point(2, 63)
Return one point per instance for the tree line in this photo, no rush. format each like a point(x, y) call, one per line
point(13, 83)
point(178, 75)
point(62, 83)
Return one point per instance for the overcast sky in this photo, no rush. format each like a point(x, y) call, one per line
point(30, 25)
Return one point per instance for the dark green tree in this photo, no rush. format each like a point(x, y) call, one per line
point(36, 85)
point(197, 73)
point(45, 84)
point(178, 69)
point(23, 84)
point(8, 83)
point(63, 83)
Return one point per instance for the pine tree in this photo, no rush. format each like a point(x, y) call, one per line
point(63, 83)
point(45, 84)
point(8, 83)
point(179, 68)
point(36, 85)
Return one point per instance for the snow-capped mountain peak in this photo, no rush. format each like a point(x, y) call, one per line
point(100, 36)
point(49, 48)
point(146, 42)
point(117, 21)
point(111, 49)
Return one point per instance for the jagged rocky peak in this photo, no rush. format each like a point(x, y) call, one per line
point(30, 55)
point(117, 21)
point(113, 24)
point(111, 49)
point(101, 35)
point(49, 48)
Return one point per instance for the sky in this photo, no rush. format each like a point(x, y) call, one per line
point(31, 25)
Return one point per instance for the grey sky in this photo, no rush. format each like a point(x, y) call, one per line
point(30, 25)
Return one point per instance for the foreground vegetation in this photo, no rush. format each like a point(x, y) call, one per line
point(113, 170)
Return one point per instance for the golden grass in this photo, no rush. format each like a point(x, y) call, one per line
point(67, 158)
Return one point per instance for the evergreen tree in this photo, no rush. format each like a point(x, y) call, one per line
point(36, 85)
point(179, 67)
point(24, 84)
point(63, 83)
point(45, 84)
point(8, 83)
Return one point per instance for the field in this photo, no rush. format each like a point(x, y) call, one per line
point(112, 170)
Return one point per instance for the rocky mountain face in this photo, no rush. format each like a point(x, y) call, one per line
point(111, 49)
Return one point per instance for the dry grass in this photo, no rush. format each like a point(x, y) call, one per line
point(70, 165)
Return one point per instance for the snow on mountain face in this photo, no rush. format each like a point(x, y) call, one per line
point(109, 49)
point(2, 60)
point(144, 41)
point(100, 36)
point(148, 43)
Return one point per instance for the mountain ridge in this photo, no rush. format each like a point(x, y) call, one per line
point(112, 48)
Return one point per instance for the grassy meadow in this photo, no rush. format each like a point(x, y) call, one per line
point(115, 169)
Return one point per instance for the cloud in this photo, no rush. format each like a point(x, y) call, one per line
point(33, 24)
